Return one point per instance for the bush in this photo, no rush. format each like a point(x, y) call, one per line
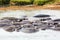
point(32, 1)
point(5, 2)
point(0, 2)
point(21, 2)
point(41, 2)
point(51, 2)
point(26, 2)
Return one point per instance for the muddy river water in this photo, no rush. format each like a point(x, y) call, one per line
point(41, 35)
point(29, 13)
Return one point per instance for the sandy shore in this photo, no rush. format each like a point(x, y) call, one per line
point(54, 7)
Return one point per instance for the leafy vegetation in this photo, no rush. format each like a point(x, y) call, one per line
point(0, 2)
point(4, 2)
point(40, 2)
point(27, 2)
point(35, 2)
point(21, 2)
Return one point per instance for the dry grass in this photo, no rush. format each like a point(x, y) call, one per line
point(54, 7)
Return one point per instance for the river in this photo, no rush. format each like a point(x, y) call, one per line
point(41, 35)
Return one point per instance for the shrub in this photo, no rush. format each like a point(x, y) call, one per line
point(51, 2)
point(21, 2)
point(32, 1)
point(5, 2)
point(0, 2)
point(41, 2)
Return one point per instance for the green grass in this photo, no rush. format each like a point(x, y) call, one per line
point(21, 0)
point(28, 2)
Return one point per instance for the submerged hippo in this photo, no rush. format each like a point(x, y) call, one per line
point(17, 26)
point(43, 17)
point(56, 21)
point(26, 22)
point(56, 27)
point(9, 28)
point(28, 28)
point(5, 22)
point(56, 24)
point(13, 19)
point(9, 18)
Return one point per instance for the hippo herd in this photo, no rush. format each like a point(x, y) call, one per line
point(11, 24)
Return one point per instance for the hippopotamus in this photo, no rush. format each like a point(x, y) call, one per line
point(10, 28)
point(29, 28)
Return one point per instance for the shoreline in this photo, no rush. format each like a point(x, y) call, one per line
point(51, 7)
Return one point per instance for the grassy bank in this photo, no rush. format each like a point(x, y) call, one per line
point(27, 2)
point(32, 2)
point(23, 4)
